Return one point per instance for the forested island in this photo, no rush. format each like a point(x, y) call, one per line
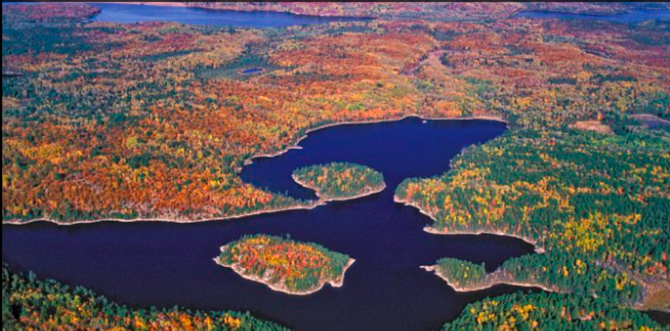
point(153, 120)
point(464, 276)
point(339, 181)
point(285, 265)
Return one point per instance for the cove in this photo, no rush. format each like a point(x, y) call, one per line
point(125, 13)
point(165, 264)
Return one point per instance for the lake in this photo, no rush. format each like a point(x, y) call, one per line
point(252, 71)
point(631, 17)
point(121, 13)
point(163, 264)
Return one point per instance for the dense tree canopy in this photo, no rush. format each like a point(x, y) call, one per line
point(155, 120)
point(554, 312)
point(32, 304)
point(285, 264)
point(597, 206)
point(340, 180)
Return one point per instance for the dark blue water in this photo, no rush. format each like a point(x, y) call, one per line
point(631, 17)
point(252, 71)
point(160, 264)
point(120, 13)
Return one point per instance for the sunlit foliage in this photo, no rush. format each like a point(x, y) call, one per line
point(154, 120)
point(340, 180)
point(286, 263)
point(32, 304)
point(462, 11)
point(597, 205)
point(535, 312)
point(462, 273)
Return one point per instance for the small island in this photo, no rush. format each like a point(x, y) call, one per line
point(339, 181)
point(285, 265)
point(465, 276)
point(460, 275)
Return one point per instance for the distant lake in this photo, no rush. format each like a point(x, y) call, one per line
point(252, 71)
point(632, 17)
point(120, 13)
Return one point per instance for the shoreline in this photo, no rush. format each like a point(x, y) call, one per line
point(642, 305)
point(432, 230)
point(593, 13)
point(326, 199)
point(295, 145)
point(311, 206)
point(335, 283)
point(241, 10)
point(488, 283)
point(149, 3)
point(284, 11)
point(654, 294)
point(585, 13)
point(249, 161)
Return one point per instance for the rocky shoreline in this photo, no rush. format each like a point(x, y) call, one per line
point(281, 287)
point(498, 277)
point(325, 198)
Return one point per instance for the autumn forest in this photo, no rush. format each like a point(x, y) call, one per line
point(156, 120)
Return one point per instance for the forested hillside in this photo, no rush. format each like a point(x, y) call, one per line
point(549, 312)
point(465, 11)
point(32, 304)
point(597, 207)
point(156, 120)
